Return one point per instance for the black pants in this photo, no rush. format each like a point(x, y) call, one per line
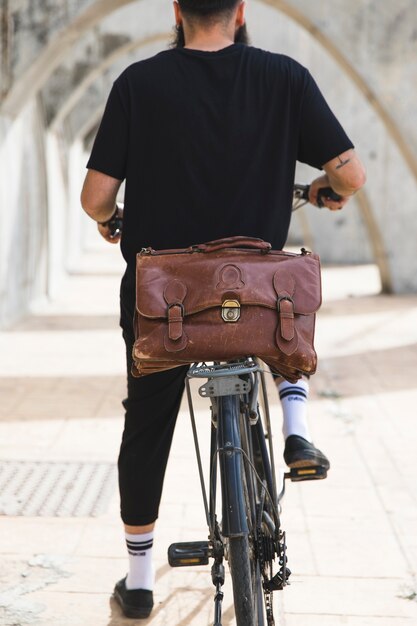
point(151, 406)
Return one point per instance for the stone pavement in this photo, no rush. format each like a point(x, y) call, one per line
point(352, 539)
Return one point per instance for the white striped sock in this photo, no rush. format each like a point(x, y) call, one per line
point(139, 547)
point(294, 407)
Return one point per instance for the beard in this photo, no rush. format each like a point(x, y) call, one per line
point(241, 36)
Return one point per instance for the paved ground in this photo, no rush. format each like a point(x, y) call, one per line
point(352, 540)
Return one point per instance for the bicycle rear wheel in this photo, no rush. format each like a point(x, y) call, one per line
point(241, 549)
point(247, 588)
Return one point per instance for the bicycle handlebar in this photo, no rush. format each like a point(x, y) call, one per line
point(115, 226)
point(301, 192)
point(328, 194)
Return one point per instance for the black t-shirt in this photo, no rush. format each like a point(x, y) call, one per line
point(207, 143)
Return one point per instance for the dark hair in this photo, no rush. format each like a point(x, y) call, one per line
point(207, 8)
point(179, 38)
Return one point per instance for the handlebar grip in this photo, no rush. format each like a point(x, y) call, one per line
point(115, 225)
point(329, 194)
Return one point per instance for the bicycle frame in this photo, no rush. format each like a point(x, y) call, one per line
point(229, 447)
point(237, 382)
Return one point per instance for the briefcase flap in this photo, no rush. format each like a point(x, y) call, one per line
point(195, 282)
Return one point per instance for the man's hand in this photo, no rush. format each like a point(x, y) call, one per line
point(344, 174)
point(105, 231)
point(320, 183)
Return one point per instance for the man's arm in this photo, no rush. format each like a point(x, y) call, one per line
point(98, 199)
point(345, 175)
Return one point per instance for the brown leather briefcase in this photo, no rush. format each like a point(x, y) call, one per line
point(226, 299)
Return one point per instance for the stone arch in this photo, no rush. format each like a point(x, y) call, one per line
point(41, 68)
point(391, 126)
point(380, 254)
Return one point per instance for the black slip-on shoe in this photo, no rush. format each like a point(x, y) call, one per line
point(136, 603)
point(299, 452)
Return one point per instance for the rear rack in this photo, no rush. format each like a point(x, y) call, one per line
point(204, 370)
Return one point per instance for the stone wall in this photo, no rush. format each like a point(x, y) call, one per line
point(23, 221)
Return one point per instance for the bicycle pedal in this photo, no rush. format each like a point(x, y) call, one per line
point(297, 474)
point(188, 553)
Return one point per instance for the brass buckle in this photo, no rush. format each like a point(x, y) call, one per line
point(231, 310)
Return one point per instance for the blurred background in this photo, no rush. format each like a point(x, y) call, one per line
point(352, 539)
point(58, 59)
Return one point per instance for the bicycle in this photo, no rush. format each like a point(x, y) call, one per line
point(248, 535)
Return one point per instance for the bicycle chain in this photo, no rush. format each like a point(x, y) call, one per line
point(280, 580)
point(268, 606)
point(267, 593)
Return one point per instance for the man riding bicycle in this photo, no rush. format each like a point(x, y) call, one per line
point(206, 136)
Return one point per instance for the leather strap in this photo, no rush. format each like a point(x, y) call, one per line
point(174, 295)
point(286, 335)
point(286, 317)
point(175, 320)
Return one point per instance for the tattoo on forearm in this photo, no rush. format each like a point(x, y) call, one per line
point(342, 163)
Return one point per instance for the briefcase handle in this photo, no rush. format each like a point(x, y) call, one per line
point(232, 242)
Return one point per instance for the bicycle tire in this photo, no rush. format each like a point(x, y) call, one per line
point(253, 465)
point(244, 570)
point(243, 592)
